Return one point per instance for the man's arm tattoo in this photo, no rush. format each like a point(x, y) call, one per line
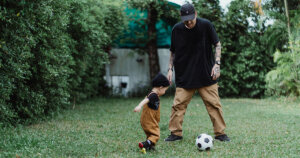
point(218, 50)
point(217, 70)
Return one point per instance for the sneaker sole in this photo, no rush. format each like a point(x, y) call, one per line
point(223, 140)
point(172, 140)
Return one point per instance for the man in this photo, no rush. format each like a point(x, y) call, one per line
point(196, 69)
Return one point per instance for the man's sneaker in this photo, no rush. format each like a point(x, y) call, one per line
point(146, 145)
point(172, 138)
point(223, 138)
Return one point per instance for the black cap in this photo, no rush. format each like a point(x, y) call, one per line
point(160, 80)
point(187, 12)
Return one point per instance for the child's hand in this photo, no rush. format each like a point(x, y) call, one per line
point(137, 109)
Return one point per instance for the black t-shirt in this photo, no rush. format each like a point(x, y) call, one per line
point(194, 58)
point(153, 101)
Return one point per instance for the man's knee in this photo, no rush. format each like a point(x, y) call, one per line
point(179, 107)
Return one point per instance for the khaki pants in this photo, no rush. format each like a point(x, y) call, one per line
point(149, 121)
point(211, 100)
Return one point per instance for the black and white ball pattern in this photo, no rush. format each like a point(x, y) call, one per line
point(204, 142)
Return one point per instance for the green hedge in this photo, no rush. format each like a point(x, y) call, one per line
point(50, 53)
point(35, 59)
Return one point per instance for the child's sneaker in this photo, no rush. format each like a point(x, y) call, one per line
point(146, 144)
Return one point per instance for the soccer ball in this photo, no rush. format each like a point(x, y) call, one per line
point(204, 142)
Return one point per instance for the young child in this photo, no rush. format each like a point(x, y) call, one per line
point(150, 116)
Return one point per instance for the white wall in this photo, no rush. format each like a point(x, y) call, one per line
point(132, 68)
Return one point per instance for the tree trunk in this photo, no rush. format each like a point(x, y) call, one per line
point(288, 19)
point(152, 43)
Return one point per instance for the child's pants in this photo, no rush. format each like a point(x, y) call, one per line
point(149, 121)
point(212, 103)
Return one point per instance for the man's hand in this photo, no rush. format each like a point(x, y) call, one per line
point(215, 72)
point(170, 73)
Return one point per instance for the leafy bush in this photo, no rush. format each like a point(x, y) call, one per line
point(285, 79)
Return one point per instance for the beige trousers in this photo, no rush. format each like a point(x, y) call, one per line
point(212, 103)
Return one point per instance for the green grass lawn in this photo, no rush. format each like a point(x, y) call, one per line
point(109, 128)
